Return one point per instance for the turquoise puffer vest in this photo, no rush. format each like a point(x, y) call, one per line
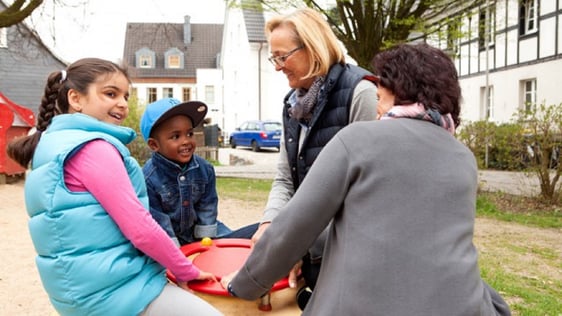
point(86, 264)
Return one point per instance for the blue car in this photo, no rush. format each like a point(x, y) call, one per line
point(257, 134)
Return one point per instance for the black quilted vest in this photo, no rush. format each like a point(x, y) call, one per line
point(331, 114)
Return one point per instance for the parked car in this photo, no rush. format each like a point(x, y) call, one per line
point(257, 134)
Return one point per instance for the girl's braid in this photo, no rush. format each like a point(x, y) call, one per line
point(48, 107)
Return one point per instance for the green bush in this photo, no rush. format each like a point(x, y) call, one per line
point(543, 132)
point(509, 148)
point(138, 147)
point(531, 143)
point(499, 147)
point(477, 136)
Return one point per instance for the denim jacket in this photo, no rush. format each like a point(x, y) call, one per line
point(183, 201)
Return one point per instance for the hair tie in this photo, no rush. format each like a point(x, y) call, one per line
point(62, 76)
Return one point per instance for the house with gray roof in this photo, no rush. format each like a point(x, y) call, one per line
point(25, 63)
point(223, 65)
point(179, 60)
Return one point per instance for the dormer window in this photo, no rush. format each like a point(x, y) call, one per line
point(145, 58)
point(145, 61)
point(174, 59)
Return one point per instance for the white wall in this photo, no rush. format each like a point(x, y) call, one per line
point(252, 88)
point(513, 59)
point(507, 91)
point(211, 77)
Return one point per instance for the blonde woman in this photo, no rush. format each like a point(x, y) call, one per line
point(326, 95)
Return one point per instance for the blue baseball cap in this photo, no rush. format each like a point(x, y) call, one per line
point(161, 110)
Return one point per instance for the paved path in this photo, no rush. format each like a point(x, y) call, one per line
point(244, 163)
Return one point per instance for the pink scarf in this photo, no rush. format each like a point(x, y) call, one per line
point(418, 111)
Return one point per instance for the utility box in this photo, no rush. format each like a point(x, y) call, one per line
point(15, 121)
point(212, 134)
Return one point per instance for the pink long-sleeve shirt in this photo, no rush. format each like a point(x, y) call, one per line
point(94, 169)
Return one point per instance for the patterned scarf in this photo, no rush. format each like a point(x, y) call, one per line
point(417, 111)
point(306, 101)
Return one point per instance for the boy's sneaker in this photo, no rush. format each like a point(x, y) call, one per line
point(303, 295)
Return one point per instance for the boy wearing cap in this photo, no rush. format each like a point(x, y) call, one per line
point(181, 185)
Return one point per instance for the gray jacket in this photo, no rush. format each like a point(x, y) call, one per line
point(401, 194)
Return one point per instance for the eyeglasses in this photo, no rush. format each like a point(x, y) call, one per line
point(280, 60)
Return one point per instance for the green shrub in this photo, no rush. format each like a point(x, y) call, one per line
point(531, 143)
point(508, 150)
point(543, 132)
point(499, 147)
point(138, 147)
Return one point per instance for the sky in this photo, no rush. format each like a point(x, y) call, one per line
point(96, 28)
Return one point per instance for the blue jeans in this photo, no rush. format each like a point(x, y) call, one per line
point(245, 232)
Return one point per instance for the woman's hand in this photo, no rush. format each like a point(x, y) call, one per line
point(227, 278)
point(294, 274)
point(259, 232)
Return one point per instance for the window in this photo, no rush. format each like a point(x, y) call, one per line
point(174, 61)
point(173, 58)
point(272, 126)
point(145, 61)
point(529, 88)
point(168, 93)
point(486, 27)
point(3, 37)
point(243, 127)
point(251, 126)
point(528, 16)
point(151, 95)
point(145, 58)
point(186, 94)
point(210, 94)
point(487, 96)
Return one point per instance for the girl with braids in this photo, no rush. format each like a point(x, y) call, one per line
point(99, 250)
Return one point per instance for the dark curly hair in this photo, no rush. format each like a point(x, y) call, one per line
point(78, 76)
point(420, 73)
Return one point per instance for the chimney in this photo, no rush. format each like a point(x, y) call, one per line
point(187, 30)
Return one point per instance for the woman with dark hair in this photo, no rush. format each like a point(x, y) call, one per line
point(400, 196)
point(416, 75)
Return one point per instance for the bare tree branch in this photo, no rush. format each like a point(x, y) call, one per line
point(18, 11)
